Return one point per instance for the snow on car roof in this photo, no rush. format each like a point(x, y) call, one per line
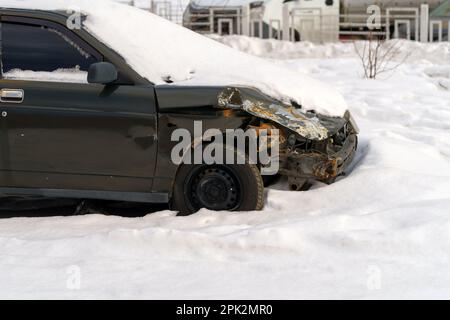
point(159, 50)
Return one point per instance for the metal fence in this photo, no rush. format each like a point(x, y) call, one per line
point(299, 24)
point(169, 10)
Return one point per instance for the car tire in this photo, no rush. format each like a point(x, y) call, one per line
point(218, 188)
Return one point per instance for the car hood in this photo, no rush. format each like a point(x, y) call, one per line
point(304, 122)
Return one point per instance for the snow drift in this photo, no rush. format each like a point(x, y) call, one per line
point(437, 52)
point(160, 50)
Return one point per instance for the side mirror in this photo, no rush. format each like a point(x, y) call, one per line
point(102, 73)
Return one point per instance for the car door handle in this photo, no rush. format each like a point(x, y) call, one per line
point(12, 95)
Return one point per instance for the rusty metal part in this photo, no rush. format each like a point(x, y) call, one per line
point(269, 127)
point(228, 113)
point(319, 166)
point(305, 124)
point(229, 98)
point(289, 117)
point(298, 184)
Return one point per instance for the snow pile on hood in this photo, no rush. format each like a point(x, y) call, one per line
point(160, 50)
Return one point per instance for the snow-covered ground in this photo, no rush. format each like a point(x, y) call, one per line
point(381, 232)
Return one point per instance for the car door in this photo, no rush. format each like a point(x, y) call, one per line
point(58, 131)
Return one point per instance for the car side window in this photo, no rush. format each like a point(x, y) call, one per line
point(43, 53)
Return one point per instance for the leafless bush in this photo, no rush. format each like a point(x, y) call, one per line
point(380, 56)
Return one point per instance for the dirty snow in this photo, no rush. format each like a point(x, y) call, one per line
point(160, 50)
point(381, 232)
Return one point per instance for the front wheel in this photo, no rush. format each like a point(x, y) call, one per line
point(218, 188)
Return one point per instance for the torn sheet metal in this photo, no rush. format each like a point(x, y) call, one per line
point(307, 125)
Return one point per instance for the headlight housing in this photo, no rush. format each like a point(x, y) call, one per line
point(348, 116)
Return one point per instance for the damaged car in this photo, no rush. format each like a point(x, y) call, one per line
point(82, 118)
point(313, 146)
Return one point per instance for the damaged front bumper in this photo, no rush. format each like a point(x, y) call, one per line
point(314, 165)
point(316, 147)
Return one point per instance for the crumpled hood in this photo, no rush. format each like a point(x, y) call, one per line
point(309, 125)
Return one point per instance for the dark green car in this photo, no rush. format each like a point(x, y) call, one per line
point(110, 137)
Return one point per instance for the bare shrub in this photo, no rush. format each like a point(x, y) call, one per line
point(380, 56)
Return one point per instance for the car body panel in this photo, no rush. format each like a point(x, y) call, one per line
point(174, 98)
point(62, 133)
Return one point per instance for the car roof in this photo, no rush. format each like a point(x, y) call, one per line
point(60, 13)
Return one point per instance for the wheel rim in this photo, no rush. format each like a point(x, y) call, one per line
point(215, 188)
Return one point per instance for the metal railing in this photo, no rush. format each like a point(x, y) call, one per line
point(413, 23)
